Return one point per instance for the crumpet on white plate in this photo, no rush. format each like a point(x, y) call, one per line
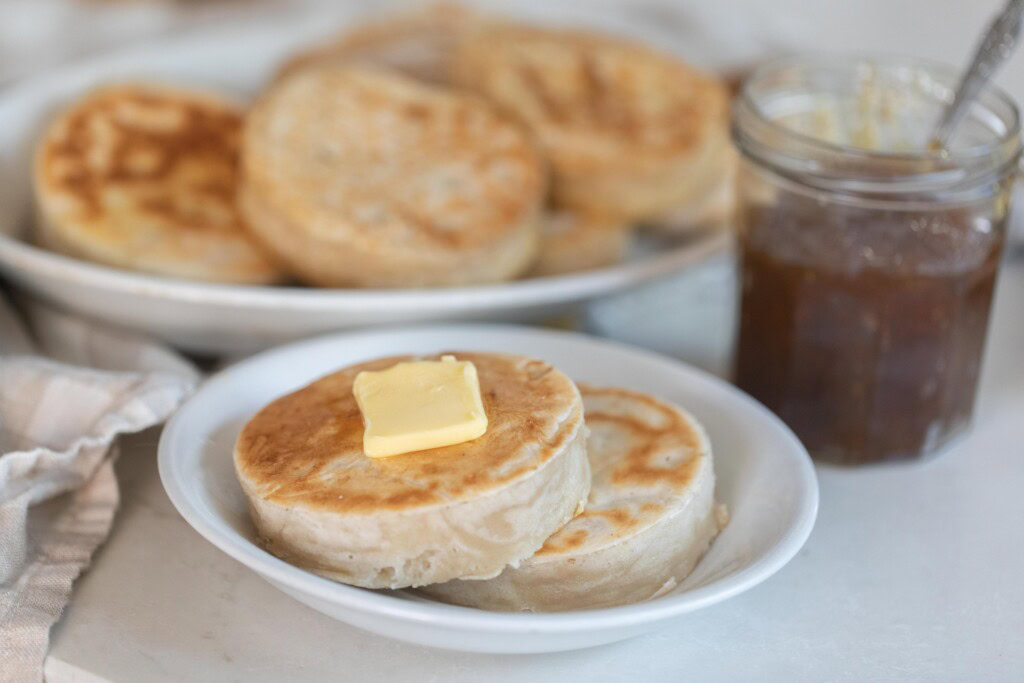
point(650, 517)
point(629, 131)
point(467, 510)
point(144, 177)
point(362, 177)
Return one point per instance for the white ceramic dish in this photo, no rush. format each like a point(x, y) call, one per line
point(236, 319)
point(764, 476)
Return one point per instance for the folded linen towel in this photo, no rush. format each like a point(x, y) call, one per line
point(66, 392)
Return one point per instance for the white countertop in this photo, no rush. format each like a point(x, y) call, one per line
point(912, 573)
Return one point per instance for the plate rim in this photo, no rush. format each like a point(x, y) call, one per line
point(20, 260)
point(457, 617)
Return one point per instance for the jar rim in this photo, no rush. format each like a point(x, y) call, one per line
point(791, 151)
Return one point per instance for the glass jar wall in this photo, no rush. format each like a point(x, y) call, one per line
point(868, 260)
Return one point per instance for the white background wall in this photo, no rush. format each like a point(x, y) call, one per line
point(944, 30)
point(34, 33)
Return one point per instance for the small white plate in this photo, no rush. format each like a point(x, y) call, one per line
point(765, 477)
point(216, 318)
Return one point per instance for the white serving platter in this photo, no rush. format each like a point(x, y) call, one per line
point(216, 318)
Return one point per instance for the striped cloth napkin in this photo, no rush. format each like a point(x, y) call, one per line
point(66, 392)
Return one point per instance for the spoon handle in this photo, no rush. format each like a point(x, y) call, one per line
point(998, 43)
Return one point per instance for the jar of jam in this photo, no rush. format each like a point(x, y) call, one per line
point(868, 257)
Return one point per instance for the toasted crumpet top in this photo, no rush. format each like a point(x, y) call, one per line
point(305, 449)
point(368, 156)
point(592, 98)
point(145, 177)
point(644, 455)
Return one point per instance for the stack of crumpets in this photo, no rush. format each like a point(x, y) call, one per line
point(465, 510)
point(437, 147)
point(565, 498)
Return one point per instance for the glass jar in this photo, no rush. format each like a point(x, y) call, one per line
point(868, 258)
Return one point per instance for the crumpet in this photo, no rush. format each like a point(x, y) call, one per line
point(572, 241)
point(650, 516)
point(145, 177)
point(467, 510)
point(629, 131)
point(714, 211)
point(356, 176)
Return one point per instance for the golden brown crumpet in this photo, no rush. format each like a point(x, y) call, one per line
point(465, 510)
point(714, 210)
point(357, 176)
point(572, 241)
point(419, 43)
point(628, 130)
point(649, 518)
point(145, 177)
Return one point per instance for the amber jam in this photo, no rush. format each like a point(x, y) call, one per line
point(867, 276)
point(864, 332)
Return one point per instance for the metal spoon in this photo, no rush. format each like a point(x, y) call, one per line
point(999, 41)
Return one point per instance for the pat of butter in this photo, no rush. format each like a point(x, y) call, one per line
point(417, 405)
